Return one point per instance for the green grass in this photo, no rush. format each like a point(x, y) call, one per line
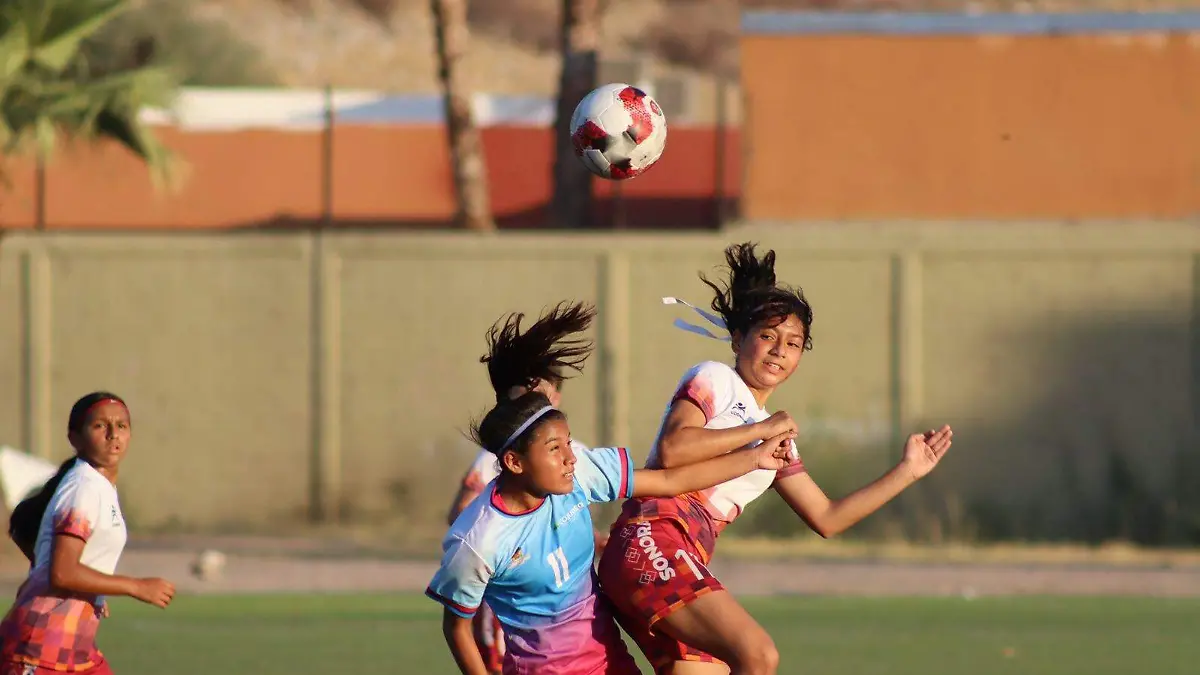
point(322, 634)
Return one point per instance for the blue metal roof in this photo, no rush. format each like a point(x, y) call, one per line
point(897, 23)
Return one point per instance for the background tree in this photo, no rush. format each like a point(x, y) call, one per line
point(50, 93)
point(571, 206)
point(474, 207)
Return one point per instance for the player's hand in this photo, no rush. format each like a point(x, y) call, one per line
point(154, 591)
point(778, 423)
point(102, 610)
point(922, 452)
point(601, 541)
point(776, 453)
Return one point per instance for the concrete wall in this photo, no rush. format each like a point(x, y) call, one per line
point(277, 376)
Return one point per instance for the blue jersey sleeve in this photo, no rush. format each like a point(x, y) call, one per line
point(605, 474)
point(461, 580)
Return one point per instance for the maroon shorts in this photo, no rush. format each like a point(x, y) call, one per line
point(15, 668)
point(649, 570)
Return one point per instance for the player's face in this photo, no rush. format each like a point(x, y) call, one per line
point(105, 435)
point(549, 461)
point(768, 355)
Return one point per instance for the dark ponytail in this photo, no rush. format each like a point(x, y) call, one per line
point(26, 518)
point(544, 351)
point(751, 296)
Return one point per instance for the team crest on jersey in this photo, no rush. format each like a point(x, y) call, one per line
point(518, 558)
point(739, 409)
point(116, 517)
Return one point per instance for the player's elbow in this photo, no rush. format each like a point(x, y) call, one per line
point(823, 525)
point(827, 528)
point(670, 452)
point(61, 575)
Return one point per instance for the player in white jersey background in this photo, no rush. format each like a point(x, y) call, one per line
point(526, 545)
point(73, 532)
point(686, 622)
point(546, 349)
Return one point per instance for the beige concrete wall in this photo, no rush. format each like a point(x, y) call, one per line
point(1046, 346)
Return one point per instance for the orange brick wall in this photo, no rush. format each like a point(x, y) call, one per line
point(381, 176)
point(972, 126)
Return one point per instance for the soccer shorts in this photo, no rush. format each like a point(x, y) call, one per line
point(648, 570)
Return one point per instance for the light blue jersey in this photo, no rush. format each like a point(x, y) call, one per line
point(535, 571)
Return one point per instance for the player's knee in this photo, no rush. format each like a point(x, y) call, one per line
point(758, 656)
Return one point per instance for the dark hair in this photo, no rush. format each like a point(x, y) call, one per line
point(751, 297)
point(26, 518)
point(542, 352)
point(506, 417)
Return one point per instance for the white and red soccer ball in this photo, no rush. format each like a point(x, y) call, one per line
point(619, 131)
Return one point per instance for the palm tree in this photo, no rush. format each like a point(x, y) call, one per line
point(474, 207)
point(49, 93)
point(572, 202)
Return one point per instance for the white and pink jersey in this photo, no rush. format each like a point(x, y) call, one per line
point(726, 402)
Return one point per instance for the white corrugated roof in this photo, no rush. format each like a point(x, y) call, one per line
point(229, 109)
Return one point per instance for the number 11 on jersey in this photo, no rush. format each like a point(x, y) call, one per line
point(558, 563)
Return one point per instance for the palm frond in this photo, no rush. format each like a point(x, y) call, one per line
point(48, 93)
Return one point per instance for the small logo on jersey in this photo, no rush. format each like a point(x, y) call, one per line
point(739, 409)
point(518, 558)
point(116, 517)
point(570, 515)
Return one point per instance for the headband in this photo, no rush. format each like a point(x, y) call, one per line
point(699, 330)
point(542, 412)
point(106, 399)
point(93, 406)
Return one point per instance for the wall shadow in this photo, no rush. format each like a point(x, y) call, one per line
point(635, 213)
point(1104, 444)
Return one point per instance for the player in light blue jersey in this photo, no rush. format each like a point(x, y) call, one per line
point(544, 351)
point(525, 545)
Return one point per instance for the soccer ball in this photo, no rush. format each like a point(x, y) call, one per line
point(619, 131)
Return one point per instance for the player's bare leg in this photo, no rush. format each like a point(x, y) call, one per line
point(716, 623)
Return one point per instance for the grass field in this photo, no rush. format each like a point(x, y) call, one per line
point(345, 634)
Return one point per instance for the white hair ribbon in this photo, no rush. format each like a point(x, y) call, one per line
point(528, 423)
point(699, 330)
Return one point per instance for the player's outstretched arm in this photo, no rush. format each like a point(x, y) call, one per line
point(684, 439)
point(828, 517)
point(773, 454)
point(462, 645)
